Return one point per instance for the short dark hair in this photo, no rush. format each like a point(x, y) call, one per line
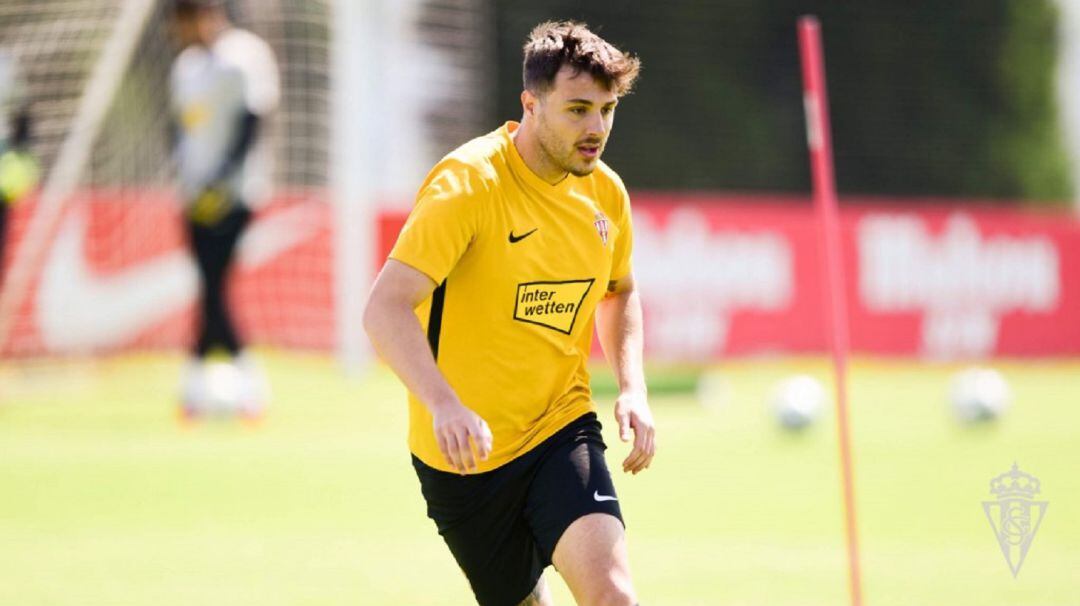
point(190, 8)
point(553, 44)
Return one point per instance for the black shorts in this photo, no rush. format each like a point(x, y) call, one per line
point(502, 525)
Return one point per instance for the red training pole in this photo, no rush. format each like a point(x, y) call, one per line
point(818, 139)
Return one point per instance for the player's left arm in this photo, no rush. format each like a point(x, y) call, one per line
point(619, 326)
point(248, 125)
point(261, 90)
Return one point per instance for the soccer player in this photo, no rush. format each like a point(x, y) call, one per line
point(485, 311)
point(224, 86)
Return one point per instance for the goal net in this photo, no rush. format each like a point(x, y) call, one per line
point(95, 260)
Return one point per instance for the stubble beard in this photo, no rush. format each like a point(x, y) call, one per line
point(549, 146)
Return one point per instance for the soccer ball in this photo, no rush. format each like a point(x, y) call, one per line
point(978, 395)
point(797, 402)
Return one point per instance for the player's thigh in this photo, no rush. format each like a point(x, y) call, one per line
point(571, 481)
point(216, 242)
point(498, 556)
point(234, 225)
point(592, 558)
point(575, 515)
point(480, 519)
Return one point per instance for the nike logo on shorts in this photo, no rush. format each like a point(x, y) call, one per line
point(600, 498)
point(514, 238)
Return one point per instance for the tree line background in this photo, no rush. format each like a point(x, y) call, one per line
point(928, 98)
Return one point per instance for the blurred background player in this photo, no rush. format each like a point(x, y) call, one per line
point(18, 169)
point(223, 87)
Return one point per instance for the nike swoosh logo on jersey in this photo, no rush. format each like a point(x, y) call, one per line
point(600, 498)
point(514, 238)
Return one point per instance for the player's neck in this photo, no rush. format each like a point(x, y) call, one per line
point(214, 30)
point(528, 145)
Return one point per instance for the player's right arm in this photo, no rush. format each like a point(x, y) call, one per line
point(440, 229)
point(391, 324)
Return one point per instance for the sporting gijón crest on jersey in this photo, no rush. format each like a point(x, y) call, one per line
point(520, 266)
point(601, 224)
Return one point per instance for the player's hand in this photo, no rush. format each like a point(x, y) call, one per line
point(19, 174)
point(464, 438)
point(210, 206)
point(633, 415)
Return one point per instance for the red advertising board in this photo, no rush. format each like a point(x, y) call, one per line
point(720, 275)
point(734, 275)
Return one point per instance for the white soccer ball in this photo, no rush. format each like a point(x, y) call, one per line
point(797, 401)
point(978, 394)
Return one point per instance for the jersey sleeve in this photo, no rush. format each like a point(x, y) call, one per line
point(444, 221)
point(621, 265)
point(176, 75)
point(259, 70)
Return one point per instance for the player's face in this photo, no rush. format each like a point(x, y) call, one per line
point(574, 120)
point(185, 30)
point(200, 27)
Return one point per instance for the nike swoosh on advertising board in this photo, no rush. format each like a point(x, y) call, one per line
point(78, 310)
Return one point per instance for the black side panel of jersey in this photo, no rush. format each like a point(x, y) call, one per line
point(434, 326)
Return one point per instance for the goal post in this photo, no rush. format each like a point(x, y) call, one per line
point(71, 160)
point(353, 191)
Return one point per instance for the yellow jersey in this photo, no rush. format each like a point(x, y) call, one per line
point(520, 266)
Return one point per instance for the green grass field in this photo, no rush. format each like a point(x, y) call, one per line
point(105, 499)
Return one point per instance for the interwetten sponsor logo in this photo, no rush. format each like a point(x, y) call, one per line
point(554, 305)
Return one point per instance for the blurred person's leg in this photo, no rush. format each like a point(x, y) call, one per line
point(214, 247)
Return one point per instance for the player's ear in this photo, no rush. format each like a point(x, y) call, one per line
point(528, 102)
